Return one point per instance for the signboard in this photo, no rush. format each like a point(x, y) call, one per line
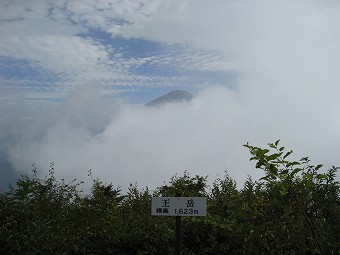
point(179, 206)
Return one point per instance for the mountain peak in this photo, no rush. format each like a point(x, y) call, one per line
point(175, 96)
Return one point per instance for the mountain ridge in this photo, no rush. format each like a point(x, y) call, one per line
point(175, 96)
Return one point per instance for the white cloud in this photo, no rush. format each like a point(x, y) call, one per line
point(124, 143)
point(18, 10)
point(108, 15)
point(45, 36)
point(265, 38)
point(287, 56)
point(233, 26)
point(192, 59)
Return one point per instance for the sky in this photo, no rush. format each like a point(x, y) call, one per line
point(75, 75)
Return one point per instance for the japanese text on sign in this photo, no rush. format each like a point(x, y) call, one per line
point(179, 206)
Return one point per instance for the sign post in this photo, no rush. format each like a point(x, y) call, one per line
point(179, 206)
point(178, 236)
point(178, 233)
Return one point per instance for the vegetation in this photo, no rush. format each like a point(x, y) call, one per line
point(294, 209)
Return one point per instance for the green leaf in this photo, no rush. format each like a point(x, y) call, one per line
point(296, 170)
point(273, 156)
point(305, 160)
point(272, 169)
point(259, 164)
point(271, 145)
point(308, 176)
point(309, 183)
point(283, 192)
point(294, 163)
point(287, 154)
point(265, 151)
point(284, 172)
point(321, 176)
point(266, 178)
point(277, 142)
point(318, 167)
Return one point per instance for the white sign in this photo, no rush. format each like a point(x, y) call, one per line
point(179, 206)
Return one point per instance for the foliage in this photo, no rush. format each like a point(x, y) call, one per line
point(293, 209)
point(184, 186)
point(300, 206)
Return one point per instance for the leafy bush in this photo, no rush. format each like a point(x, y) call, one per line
point(293, 209)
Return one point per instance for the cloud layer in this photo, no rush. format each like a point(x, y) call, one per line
point(283, 57)
point(47, 48)
point(124, 143)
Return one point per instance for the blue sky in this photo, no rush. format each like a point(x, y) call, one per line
point(74, 76)
point(49, 48)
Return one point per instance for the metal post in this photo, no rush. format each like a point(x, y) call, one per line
point(178, 236)
point(178, 233)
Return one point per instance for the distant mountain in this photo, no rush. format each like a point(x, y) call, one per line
point(175, 96)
